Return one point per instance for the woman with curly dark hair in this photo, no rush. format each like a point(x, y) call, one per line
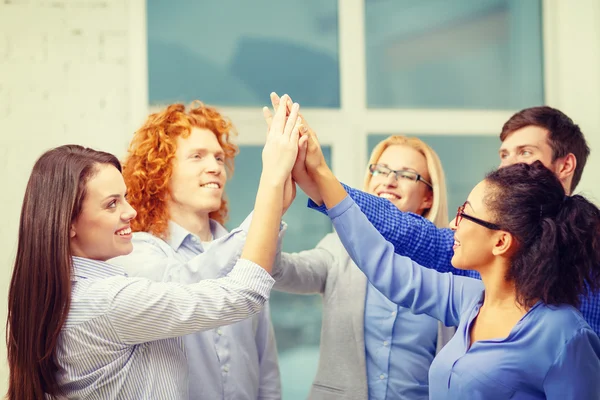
point(520, 335)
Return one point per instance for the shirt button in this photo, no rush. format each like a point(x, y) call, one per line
point(226, 368)
point(382, 376)
point(219, 332)
point(194, 239)
point(393, 313)
point(385, 342)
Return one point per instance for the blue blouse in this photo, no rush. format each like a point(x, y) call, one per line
point(551, 353)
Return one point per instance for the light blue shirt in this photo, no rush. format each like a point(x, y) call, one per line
point(551, 353)
point(400, 347)
point(121, 337)
point(235, 362)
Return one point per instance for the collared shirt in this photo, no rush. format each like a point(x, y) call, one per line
point(400, 347)
point(419, 239)
point(237, 362)
point(551, 353)
point(121, 337)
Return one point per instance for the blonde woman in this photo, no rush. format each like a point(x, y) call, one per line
point(371, 347)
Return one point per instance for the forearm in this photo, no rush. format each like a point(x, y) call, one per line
point(261, 244)
point(302, 273)
point(143, 311)
point(404, 282)
point(331, 190)
point(411, 235)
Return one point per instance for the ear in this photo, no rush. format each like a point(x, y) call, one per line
point(565, 167)
point(427, 200)
point(72, 232)
point(504, 244)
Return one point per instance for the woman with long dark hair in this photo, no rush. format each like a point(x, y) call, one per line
point(520, 335)
point(77, 326)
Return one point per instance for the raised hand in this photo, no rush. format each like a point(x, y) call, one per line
point(281, 147)
point(299, 172)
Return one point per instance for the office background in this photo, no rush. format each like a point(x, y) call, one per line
point(450, 72)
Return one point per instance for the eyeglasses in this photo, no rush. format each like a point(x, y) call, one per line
point(378, 169)
point(460, 214)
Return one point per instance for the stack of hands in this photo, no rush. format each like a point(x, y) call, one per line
point(292, 154)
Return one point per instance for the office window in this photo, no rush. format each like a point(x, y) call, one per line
point(234, 53)
point(454, 54)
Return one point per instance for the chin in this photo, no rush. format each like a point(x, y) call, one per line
point(457, 264)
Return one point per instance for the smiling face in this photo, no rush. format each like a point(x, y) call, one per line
point(474, 244)
point(406, 194)
point(102, 229)
point(199, 174)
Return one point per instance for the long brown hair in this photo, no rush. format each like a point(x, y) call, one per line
point(40, 289)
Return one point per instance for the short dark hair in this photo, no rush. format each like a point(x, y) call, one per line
point(558, 255)
point(564, 136)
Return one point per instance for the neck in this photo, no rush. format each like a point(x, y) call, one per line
point(499, 293)
point(197, 223)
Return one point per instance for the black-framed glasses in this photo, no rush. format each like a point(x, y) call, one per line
point(378, 169)
point(460, 214)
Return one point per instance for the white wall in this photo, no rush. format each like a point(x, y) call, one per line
point(70, 72)
point(572, 74)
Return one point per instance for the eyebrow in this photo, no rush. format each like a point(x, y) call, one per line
point(114, 196)
point(401, 169)
point(470, 205)
point(505, 150)
point(204, 150)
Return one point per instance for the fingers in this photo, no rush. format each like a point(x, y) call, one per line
point(268, 117)
point(275, 101)
point(293, 121)
point(279, 120)
point(302, 142)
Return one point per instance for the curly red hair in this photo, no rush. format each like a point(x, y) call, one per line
point(148, 167)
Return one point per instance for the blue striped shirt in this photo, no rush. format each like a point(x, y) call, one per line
point(120, 339)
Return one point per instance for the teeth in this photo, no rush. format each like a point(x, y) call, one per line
point(389, 196)
point(456, 243)
point(124, 232)
point(210, 185)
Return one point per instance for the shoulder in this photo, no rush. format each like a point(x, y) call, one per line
point(92, 298)
point(561, 324)
point(563, 317)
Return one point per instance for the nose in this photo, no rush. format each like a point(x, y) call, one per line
point(213, 166)
point(129, 213)
point(391, 180)
point(452, 225)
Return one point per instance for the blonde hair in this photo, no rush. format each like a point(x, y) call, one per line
point(438, 213)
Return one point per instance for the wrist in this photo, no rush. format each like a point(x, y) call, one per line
point(270, 181)
point(321, 173)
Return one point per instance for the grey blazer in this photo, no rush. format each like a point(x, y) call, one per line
point(329, 270)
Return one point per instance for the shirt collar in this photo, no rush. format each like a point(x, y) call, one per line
point(86, 268)
point(178, 234)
